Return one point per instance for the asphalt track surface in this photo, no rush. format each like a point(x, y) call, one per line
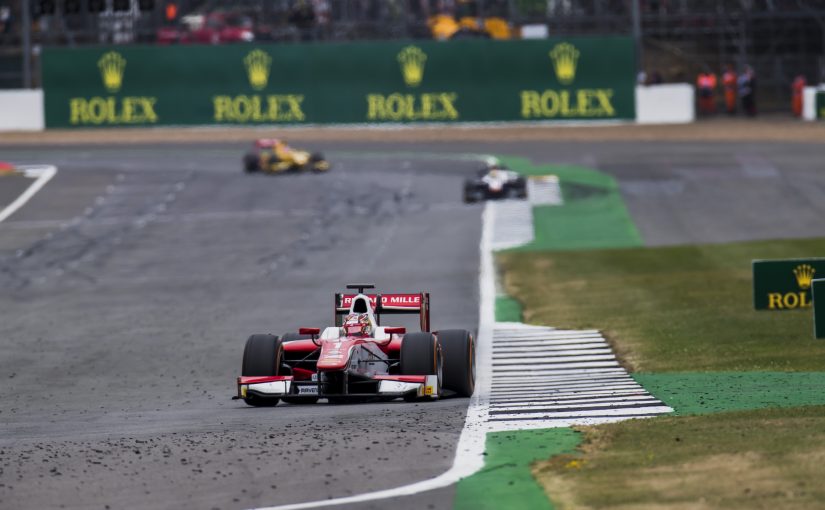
point(130, 282)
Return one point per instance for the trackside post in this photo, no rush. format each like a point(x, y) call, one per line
point(818, 291)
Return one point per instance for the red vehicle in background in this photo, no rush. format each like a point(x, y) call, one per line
point(213, 28)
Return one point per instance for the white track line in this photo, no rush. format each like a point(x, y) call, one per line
point(42, 174)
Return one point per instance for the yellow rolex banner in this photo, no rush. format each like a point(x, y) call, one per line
point(785, 284)
point(585, 78)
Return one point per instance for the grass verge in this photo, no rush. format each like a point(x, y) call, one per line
point(686, 308)
point(769, 458)
point(593, 215)
point(506, 480)
point(507, 309)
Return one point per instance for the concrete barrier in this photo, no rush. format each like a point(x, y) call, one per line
point(809, 101)
point(665, 104)
point(21, 110)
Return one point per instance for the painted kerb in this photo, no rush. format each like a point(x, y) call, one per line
point(474, 81)
point(785, 284)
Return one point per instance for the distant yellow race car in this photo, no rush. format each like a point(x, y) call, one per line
point(274, 156)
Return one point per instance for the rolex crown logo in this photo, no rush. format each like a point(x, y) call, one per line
point(257, 64)
point(804, 274)
point(412, 61)
point(565, 57)
point(112, 65)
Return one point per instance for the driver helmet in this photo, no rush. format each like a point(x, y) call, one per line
point(357, 324)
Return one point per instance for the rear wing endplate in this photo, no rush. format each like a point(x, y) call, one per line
point(395, 304)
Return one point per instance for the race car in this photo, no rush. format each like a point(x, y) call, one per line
point(495, 181)
point(358, 358)
point(7, 168)
point(274, 156)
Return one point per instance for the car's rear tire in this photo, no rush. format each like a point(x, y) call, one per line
point(421, 355)
point(262, 356)
point(459, 351)
point(251, 163)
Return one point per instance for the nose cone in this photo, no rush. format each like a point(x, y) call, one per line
point(334, 355)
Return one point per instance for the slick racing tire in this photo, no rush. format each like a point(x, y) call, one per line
point(251, 163)
point(262, 357)
point(421, 355)
point(289, 337)
point(459, 350)
point(521, 187)
point(471, 193)
point(318, 163)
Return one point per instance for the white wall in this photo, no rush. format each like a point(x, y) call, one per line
point(21, 110)
point(665, 104)
point(809, 101)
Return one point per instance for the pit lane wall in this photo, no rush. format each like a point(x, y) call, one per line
point(571, 79)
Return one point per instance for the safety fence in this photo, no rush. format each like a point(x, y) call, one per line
point(587, 78)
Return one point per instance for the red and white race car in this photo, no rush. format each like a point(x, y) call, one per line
point(358, 358)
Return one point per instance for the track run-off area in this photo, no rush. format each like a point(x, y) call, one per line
point(132, 278)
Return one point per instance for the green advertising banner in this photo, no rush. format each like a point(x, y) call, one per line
point(784, 284)
point(820, 105)
point(818, 291)
point(459, 81)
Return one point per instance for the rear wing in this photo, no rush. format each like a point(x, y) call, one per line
point(395, 304)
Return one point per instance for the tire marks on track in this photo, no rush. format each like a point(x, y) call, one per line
point(89, 238)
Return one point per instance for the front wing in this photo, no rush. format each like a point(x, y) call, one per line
point(391, 386)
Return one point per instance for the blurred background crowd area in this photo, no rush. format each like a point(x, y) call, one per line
point(780, 40)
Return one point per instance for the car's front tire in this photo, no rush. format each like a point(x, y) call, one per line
point(459, 351)
point(521, 187)
point(471, 193)
point(421, 355)
point(262, 357)
point(318, 163)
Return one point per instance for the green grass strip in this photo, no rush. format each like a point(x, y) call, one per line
point(670, 309)
point(506, 480)
point(507, 309)
point(593, 214)
point(713, 392)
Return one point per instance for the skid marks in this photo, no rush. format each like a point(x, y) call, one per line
point(88, 239)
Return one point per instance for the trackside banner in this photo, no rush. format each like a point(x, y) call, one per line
point(400, 82)
point(785, 284)
point(820, 105)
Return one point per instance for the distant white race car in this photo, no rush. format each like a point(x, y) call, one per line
point(493, 182)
